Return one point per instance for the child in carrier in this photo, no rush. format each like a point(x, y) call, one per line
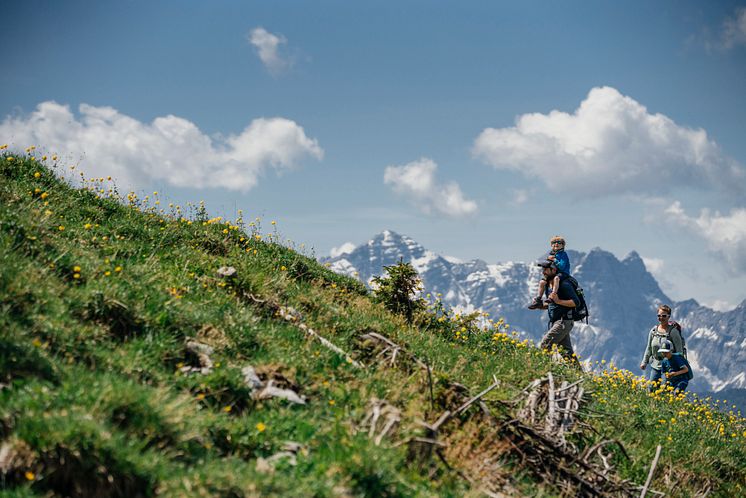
point(559, 256)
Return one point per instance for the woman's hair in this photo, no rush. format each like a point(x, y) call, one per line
point(665, 308)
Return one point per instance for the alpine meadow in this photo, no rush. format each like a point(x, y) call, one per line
point(154, 350)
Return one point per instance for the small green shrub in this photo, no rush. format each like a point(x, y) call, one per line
point(398, 290)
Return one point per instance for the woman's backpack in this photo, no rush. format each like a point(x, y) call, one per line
point(677, 326)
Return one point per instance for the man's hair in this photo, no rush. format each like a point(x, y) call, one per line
point(665, 308)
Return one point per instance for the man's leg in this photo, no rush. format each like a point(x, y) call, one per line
point(566, 345)
point(557, 334)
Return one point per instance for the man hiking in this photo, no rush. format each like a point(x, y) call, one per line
point(560, 324)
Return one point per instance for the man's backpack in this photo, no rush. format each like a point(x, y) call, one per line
point(578, 313)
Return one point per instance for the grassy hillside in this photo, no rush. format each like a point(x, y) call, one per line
point(124, 354)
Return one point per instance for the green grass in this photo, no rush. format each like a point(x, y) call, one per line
point(98, 296)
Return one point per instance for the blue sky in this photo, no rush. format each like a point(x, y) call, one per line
point(480, 129)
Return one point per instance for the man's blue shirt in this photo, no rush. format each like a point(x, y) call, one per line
point(566, 291)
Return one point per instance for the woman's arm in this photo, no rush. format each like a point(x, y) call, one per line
point(648, 351)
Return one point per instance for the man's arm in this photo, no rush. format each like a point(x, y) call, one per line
point(567, 290)
point(569, 303)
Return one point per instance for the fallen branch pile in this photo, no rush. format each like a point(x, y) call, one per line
point(381, 418)
point(549, 412)
point(551, 408)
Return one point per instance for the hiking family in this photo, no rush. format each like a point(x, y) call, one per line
point(564, 300)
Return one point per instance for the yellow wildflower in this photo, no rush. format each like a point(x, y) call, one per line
point(260, 427)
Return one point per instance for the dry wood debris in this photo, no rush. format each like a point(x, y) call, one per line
point(266, 389)
point(551, 408)
point(226, 272)
point(289, 452)
point(548, 413)
point(381, 419)
point(203, 353)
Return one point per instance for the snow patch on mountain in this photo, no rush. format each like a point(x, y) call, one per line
point(422, 264)
point(500, 273)
point(706, 333)
point(344, 267)
point(701, 370)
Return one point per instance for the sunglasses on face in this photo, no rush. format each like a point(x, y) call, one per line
point(662, 316)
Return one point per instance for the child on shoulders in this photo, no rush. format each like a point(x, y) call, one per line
point(559, 256)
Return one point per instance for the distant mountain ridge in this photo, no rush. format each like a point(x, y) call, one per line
point(623, 297)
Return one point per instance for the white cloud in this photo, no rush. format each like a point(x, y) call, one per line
point(345, 248)
point(417, 182)
point(610, 144)
point(734, 29)
point(170, 149)
point(725, 235)
point(267, 47)
point(520, 197)
point(720, 305)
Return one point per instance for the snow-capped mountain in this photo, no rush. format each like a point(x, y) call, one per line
point(622, 296)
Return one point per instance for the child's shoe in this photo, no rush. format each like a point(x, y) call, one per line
point(535, 304)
